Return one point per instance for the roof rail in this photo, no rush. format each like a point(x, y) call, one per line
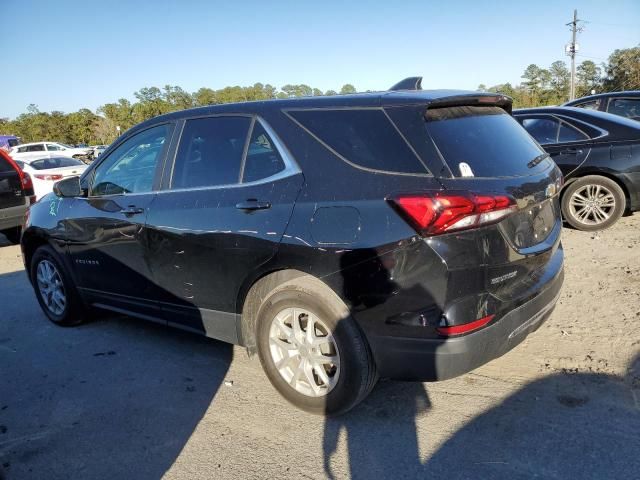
point(409, 83)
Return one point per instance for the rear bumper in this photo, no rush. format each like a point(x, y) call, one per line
point(13, 216)
point(439, 359)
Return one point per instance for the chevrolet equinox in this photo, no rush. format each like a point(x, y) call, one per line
point(407, 234)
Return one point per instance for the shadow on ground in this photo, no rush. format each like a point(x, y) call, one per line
point(577, 425)
point(115, 398)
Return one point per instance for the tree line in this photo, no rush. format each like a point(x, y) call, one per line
point(550, 86)
point(540, 86)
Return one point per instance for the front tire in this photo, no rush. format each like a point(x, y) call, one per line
point(54, 288)
point(592, 203)
point(311, 348)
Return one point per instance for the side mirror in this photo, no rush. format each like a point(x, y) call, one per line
point(69, 187)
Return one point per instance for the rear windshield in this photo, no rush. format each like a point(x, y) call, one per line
point(483, 142)
point(364, 137)
point(56, 162)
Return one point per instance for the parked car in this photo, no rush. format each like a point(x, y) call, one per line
point(44, 172)
point(7, 142)
point(16, 194)
point(406, 234)
point(98, 150)
point(599, 155)
point(38, 149)
point(625, 104)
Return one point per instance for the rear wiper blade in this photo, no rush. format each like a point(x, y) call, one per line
point(537, 160)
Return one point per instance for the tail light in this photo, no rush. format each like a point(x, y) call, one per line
point(436, 213)
point(48, 177)
point(25, 180)
point(465, 327)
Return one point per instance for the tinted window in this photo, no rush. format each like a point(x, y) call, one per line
point(482, 142)
point(364, 137)
point(56, 162)
point(22, 149)
point(591, 105)
point(263, 159)
point(52, 147)
point(544, 130)
point(210, 152)
point(569, 134)
point(12, 142)
point(130, 168)
point(625, 107)
point(36, 148)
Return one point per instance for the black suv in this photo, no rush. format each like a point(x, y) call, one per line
point(407, 234)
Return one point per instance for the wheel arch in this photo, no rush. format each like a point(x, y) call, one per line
point(31, 241)
point(251, 297)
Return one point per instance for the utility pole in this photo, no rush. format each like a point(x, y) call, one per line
point(571, 50)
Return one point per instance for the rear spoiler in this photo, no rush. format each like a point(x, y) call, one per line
point(464, 100)
point(474, 100)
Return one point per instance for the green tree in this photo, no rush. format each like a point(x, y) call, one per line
point(589, 78)
point(347, 88)
point(623, 70)
point(559, 81)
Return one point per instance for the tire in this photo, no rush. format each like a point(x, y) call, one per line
point(72, 311)
point(354, 375)
point(593, 203)
point(13, 234)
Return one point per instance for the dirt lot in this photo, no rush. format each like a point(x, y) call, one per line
point(120, 398)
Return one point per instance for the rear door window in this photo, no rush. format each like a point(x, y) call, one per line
point(548, 130)
point(365, 138)
point(36, 148)
point(263, 159)
point(590, 105)
point(210, 152)
point(625, 107)
point(483, 142)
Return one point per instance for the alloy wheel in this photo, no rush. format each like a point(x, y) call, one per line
point(592, 204)
point(51, 287)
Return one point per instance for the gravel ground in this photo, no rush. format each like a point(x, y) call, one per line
point(120, 398)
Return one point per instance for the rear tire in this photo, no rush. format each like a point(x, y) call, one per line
point(54, 288)
point(593, 203)
point(327, 370)
point(13, 234)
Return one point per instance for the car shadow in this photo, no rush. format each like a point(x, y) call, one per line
point(566, 425)
point(114, 398)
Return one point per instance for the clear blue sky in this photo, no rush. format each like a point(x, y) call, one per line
point(68, 54)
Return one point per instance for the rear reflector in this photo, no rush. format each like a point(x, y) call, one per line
point(48, 177)
point(466, 327)
point(435, 213)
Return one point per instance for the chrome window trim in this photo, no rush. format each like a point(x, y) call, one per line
point(291, 167)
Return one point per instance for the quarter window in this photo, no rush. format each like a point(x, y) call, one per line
point(131, 167)
point(210, 152)
point(263, 159)
point(591, 105)
point(364, 137)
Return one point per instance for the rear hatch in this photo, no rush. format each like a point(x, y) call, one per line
point(11, 193)
point(489, 154)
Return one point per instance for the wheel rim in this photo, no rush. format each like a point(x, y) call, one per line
point(51, 287)
point(304, 352)
point(592, 204)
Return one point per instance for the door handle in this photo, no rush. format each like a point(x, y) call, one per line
point(132, 210)
point(571, 151)
point(252, 204)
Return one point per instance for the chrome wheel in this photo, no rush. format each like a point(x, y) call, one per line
point(592, 204)
point(51, 287)
point(304, 352)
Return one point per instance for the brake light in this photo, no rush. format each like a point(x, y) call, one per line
point(442, 212)
point(466, 327)
point(48, 177)
point(25, 180)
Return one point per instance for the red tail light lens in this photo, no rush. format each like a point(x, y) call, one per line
point(466, 327)
point(48, 177)
point(27, 183)
point(442, 212)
